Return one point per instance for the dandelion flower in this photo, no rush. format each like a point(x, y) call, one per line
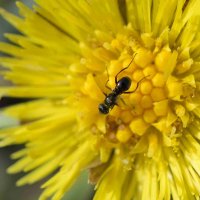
point(148, 145)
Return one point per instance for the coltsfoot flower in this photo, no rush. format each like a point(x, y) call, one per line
point(147, 146)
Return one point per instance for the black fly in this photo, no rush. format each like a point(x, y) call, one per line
point(121, 88)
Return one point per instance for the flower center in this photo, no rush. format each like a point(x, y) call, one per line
point(148, 102)
point(162, 90)
point(159, 84)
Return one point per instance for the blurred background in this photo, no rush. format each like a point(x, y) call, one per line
point(8, 191)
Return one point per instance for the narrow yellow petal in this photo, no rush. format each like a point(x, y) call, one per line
point(36, 91)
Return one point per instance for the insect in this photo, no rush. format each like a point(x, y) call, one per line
point(122, 85)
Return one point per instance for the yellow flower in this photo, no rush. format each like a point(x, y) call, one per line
point(148, 145)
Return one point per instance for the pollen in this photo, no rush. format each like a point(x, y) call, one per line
point(161, 108)
point(138, 75)
point(146, 101)
point(138, 126)
point(146, 87)
point(158, 94)
point(155, 84)
point(135, 98)
point(149, 116)
point(158, 80)
point(126, 116)
point(141, 54)
point(124, 134)
point(161, 60)
point(174, 87)
point(180, 110)
point(149, 71)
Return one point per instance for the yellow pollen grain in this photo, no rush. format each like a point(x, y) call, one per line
point(161, 60)
point(149, 116)
point(174, 89)
point(161, 108)
point(145, 87)
point(115, 112)
point(114, 68)
point(149, 71)
point(146, 101)
point(138, 126)
point(131, 67)
point(135, 98)
point(138, 75)
point(158, 94)
point(137, 110)
point(180, 110)
point(143, 57)
point(126, 116)
point(133, 86)
point(123, 134)
point(116, 44)
point(158, 80)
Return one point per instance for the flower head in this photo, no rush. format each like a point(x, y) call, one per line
point(70, 54)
